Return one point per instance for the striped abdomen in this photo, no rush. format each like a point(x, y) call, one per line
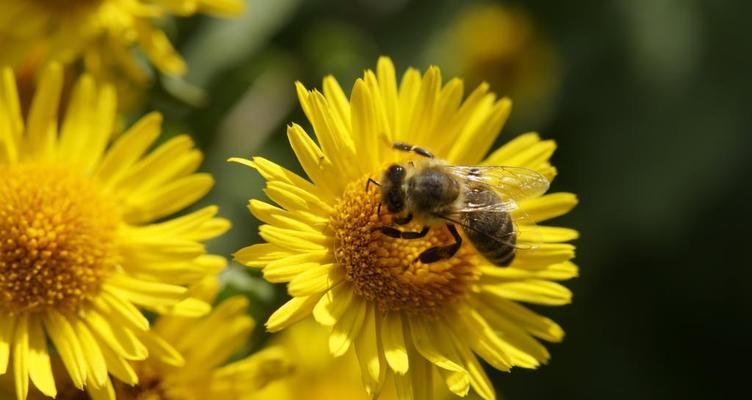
point(491, 232)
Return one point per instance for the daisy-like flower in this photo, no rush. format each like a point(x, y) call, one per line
point(205, 345)
point(404, 318)
point(503, 45)
point(81, 252)
point(102, 33)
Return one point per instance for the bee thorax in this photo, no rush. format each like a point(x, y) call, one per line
point(431, 191)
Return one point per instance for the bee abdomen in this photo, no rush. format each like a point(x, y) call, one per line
point(492, 234)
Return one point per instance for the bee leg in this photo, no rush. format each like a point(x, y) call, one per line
point(415, 149)
point(439, 253)
point(369, 182)
point(403, 220)
point(398, 234)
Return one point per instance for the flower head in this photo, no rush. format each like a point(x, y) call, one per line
point(506, 47)
point(101, 33)
point(205, 344)
point(80, 252)
point(403, 317)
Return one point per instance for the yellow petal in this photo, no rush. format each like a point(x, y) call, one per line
point(160, 350)
point(40, 370)
point(259, 255)
point(523, 349)
point(478, 378)
point(41, 131)
point(285, 269)
point(120, 339)
point(291, 312)
point(96, 370)
point(121, 310)
point(553, 272)
point(369, 354)
point(393, 339)
point(427, 340)
point(7, 327)
point(315, 280)
point(333, 304)
point(347, 328)
point(143, 292)
point(548, 206)
point(21, 356)
point(172, 197)
point(531, 291)
point(129, 147)
point(536, 324)
point(67, 345)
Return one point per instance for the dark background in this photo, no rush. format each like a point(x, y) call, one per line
point(651, 112)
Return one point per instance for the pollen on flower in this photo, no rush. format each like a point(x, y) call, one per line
point(57, 238)
point(384, 270)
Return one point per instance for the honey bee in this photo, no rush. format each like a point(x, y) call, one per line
point(479, 199)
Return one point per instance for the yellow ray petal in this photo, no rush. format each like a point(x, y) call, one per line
point(333, 304)
point(160, 350)
point(96, 366)
point(128, 148)
point(347, 328)
point(7, 327)
point(370, 355)
point(21, 356)
point(523, 349)
point(291, 312)
point(259, 255)
point(531, 291)
point(120, 339)
point(172, 197)
point(428, 341)
point(548, 206)
point(40, 370)
point(41, 131)
point(553, 272)
point(68, 346)
point(315, 280)
point(393, 339)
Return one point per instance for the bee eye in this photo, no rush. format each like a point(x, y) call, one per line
point(396, 172)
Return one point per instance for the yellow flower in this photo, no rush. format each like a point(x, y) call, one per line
point(405, 318)
point(206, 344)
point(317, 376)
point(102, 33)
point(80, 251)
point(503, 46)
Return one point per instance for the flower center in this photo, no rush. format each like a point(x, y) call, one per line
point(57, 238)
point(385, 270)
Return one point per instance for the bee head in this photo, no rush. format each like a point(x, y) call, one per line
point(392, 192)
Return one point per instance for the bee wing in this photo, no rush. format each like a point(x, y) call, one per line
point(512, 184)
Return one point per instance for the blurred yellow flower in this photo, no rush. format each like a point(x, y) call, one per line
point(317, 375)
point(502, 45)
point(101, 33)
point(205, 344)
point(405, 318)
point(81, 251)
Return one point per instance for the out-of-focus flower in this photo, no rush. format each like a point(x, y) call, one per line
point(317, 375)
point(205, 344)
point(403, 317)
point(103, 34)
point(81, 252)
point(503, 46)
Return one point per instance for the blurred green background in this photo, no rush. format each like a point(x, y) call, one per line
point(648, 100)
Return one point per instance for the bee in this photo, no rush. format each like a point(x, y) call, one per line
point(478, 199)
